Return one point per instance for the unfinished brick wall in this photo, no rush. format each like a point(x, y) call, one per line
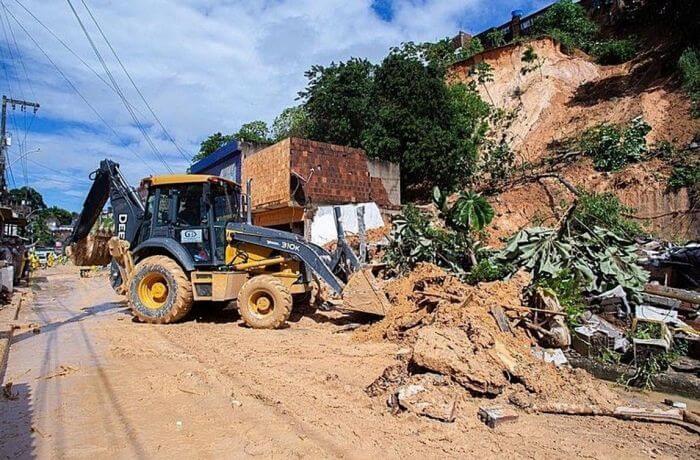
point(341, 175)
point(269, 169)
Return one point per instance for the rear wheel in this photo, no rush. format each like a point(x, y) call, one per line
point(264, 302)
point(160, 291)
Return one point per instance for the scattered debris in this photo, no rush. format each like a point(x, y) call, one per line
point(184, 390)
point(496, 415)
point(17, 325)
point(8, 393)
point(675, 404)
point(598, 335)
point(554, 356)
point(612, 300)
point(63, 370)
point(457, 336)
point(429, 396)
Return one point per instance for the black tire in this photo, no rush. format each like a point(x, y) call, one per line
point(264, 302)
point(148, 302)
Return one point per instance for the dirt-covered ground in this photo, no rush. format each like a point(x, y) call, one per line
point(93, 383)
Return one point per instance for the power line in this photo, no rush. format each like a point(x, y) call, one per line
point(19, 54)
point(62, 173)
point(116, 86)
point(27, 126)
point(70, 50)
point(133, 83)
point(75, 89)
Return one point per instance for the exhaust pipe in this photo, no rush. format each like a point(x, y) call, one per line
point(249, 201)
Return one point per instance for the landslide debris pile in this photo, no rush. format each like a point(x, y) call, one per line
point(455, 350)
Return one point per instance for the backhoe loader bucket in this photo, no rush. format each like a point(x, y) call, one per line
point(362, 293)
point(91, 250)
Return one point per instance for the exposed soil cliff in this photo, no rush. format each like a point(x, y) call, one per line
point(560, 97)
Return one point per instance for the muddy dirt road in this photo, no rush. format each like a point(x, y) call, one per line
point(96, 384)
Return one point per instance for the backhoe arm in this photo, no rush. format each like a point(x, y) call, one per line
point(128, 208)
point(108, 183)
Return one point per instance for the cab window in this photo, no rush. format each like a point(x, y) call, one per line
point(163, 211)
point(224, 208)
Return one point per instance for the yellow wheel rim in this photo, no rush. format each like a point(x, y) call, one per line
point(153, 291)
point(261, 303)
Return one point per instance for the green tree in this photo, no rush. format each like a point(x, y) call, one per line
point(337, 99)
point(430, 129)
point(483, 72)
point(474, 47)
point(292, 122)
point(532, 61)
point(211, 144)
point(568, 23)
point(29, 195)
point(440, 54)
point(254, 131)
point(495, 38)
point(39, 231)
point(63, 216)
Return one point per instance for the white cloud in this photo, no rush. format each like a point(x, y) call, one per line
point(204, 65)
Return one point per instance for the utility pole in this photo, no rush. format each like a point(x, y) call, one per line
point(5, 141)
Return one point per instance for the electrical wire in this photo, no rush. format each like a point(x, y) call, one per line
point(70, 50)
point(75, 89)
point(133, 83)
point(19, 54)
point(27, 125)
point(62, 173)
point(148, 139)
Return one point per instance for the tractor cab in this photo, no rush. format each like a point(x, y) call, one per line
point(192, 210)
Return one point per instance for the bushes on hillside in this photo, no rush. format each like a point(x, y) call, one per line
point(689, 64)
point(568, 23)
point(612, 146)
point(610, 52)
point(606, 210)
point(450, 242)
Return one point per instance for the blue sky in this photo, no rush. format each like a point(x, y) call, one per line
point(202, 65)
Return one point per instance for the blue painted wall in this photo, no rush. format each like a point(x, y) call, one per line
point(224, 162)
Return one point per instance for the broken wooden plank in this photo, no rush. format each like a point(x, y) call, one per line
point(674, 293)
point(501, 318)
point(539, 310)
point(661, 301)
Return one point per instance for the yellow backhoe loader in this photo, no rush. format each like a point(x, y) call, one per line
point(191, 239)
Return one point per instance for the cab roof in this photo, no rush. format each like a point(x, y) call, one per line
point(179, 179)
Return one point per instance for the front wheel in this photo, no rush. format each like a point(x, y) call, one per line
point(264, 302)
point(160, 291)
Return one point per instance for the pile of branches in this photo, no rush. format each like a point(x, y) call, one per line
point(599, 258)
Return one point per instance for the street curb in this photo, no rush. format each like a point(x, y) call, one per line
point(6, 333)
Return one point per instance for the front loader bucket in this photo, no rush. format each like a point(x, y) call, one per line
point(91, 250)
point(362, 293)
